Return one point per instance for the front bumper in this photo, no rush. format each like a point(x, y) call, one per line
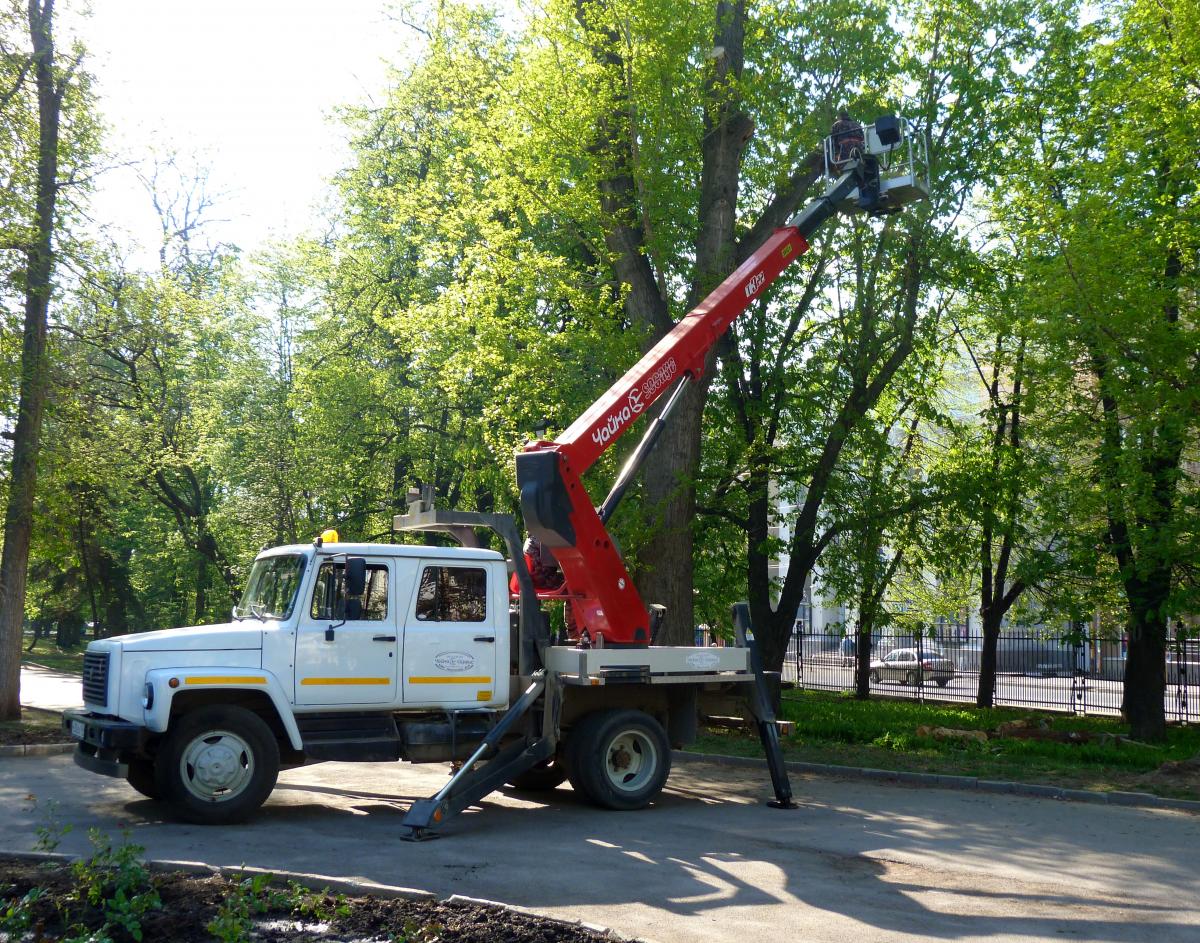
point(104, 742)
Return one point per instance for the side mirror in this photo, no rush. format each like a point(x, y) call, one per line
point(356, 576)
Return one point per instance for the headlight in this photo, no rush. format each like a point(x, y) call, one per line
point(148, 696)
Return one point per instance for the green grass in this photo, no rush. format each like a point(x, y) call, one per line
point(35, 726)
point(49, 655)
point(882, 734)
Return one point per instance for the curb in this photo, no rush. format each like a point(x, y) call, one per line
point(943, 781)
point(336, 885)
point(36, 749)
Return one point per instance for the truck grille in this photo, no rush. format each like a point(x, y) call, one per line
point(95, 678)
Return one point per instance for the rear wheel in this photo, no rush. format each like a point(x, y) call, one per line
point(618, 759)
point(912, 678)
point(547, 775)
point(874, 677)
point(218, 765)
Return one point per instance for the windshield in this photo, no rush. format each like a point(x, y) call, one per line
point(272, 588)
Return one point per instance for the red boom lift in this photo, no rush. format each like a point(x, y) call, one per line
point(878, 174)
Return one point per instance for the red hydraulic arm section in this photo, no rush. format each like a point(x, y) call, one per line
point(558, 510)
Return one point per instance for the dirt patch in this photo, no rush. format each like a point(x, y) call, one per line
point(1177, 774)
point(205, 908)
point(35, 726)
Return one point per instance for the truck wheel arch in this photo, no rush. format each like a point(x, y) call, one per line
point(260, 702)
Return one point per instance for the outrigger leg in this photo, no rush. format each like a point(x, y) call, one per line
point(469, 784)
point(764, 715)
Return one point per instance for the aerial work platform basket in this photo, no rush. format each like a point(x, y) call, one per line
point(894, 147)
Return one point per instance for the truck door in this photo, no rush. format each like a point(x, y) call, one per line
point(450, 639)
point(359, 664)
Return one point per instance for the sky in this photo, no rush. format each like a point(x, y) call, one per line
point(246, 89)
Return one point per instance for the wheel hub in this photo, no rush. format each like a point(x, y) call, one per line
point(216, 766)
point(631, 760)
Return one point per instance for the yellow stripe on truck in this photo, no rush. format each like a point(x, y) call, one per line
point(308, 681)
point(225, 679)
point(450, 679)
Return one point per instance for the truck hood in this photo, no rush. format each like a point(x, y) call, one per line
point(230, 635)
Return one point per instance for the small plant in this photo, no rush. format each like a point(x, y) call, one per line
point(249, 896)
point(88, 936)
point(18, 916)
point(415, 932)
point(50, 832)
point(313, 905)
point(321, 907)
point(115, 881)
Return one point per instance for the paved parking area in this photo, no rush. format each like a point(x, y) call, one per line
point(48, 689)
point(858, 862)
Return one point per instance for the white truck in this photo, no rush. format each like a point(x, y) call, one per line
point(371, 652)
point(384, 652)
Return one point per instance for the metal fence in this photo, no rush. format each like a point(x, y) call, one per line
point(1044, 673)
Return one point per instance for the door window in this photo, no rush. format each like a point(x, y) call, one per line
point(330, 604)
point(452, 594)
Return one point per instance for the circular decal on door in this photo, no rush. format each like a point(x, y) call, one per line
point(454, 661)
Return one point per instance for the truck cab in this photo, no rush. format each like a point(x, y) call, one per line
point(329, 646)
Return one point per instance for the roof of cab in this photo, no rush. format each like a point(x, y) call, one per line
point(388, 550)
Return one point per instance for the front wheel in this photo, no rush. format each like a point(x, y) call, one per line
point(219, 765)
point(874, 677)
point(141, 776)
point(912, 678)
point(619, 759)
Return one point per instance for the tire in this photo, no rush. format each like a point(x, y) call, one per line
point(874, 677)
point(143, 777)
point(912, 678)
point(218, 765)
point(547, 775)
point(618, 759)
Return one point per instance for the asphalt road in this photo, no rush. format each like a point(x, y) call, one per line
point(50, 690)
point(859, 861)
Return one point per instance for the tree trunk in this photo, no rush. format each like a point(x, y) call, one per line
point(862, 656)
point(1145, 665)
point(670, 487)
point(39, 267)
point(666, 574)
point(84, 562)
point(872, 364)
point(201, 590)
point(985, 696)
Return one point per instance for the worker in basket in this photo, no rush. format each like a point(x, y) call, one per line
point(848, 142)
point(849, 150)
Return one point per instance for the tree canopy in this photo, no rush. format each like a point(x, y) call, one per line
point(986, 403)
